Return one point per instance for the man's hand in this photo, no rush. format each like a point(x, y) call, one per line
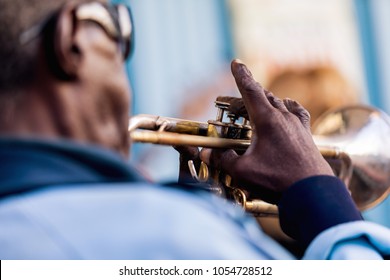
point(282, 150)
point(187, 153)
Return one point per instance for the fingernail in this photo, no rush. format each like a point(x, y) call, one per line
point(243, 68)
point(237, 60)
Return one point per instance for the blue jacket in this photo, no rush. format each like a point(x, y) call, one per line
point(62, 200)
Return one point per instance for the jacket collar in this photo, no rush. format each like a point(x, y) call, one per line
point(26, 165)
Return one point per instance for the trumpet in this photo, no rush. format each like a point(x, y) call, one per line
point(337, 135)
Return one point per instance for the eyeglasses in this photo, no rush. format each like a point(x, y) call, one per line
point(115, 20)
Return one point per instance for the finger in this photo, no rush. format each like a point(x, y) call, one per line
point(187, 152)
point(252, 92)
point(299, 111)
point(275, 101)
point(236, 105)
point(205, 155)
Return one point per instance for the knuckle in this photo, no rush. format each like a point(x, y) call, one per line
point(304, 114)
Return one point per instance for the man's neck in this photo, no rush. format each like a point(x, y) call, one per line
point(24, 113)
point(61, 111)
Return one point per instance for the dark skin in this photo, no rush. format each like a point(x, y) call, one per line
point(91, 105)
point(282, 150)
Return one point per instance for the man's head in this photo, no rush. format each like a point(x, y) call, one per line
point(62, 73)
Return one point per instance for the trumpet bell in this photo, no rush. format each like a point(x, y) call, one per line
point(363, 133)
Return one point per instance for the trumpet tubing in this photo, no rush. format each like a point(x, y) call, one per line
point(178, 139)
point(368, 183)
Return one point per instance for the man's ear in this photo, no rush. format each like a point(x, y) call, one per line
point(63, 53)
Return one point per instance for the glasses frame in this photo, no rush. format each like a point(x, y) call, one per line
point(115, 20)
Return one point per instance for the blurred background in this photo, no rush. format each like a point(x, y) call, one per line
point(323, 53)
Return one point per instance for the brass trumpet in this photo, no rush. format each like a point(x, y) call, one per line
point(336, 134)
point(362, 132)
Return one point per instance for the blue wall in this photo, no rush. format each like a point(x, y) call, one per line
point(179, 44)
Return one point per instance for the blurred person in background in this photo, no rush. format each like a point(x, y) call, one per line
point(318, 89)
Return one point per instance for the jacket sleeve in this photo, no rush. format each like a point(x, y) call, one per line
point(354, 240)
point(313, 210)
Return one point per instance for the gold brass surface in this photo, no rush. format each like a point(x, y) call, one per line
point(353, 140)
